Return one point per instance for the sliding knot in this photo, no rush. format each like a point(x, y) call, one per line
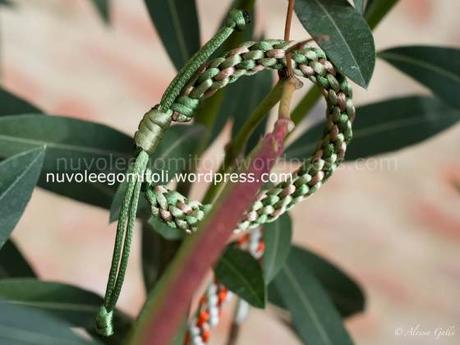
point(104, 322)
point(184, 107)
point(237, 19)
point(151, 129)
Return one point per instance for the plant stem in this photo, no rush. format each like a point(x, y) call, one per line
point(236, 146)
point(289, 87)
point(305, 105)
point(287, 35)
point(234, 333)
point(235, 327)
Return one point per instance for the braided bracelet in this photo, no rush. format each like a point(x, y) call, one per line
point(196, 82)
point(251, 57)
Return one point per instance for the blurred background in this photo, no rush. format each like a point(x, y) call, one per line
point(395, 225)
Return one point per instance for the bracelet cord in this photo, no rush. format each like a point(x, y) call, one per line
point(150, 132)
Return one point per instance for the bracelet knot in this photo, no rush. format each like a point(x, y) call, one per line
point(237, 19)
point(104, 322)
point(151, 129)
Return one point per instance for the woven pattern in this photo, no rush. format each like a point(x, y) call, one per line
point(249, 58)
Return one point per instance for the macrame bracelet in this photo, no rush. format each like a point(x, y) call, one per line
point(192, 84)
point(251, 57)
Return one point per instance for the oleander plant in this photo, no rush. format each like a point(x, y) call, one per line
point(241, 229)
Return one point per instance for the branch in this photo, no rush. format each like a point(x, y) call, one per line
point(287, 35)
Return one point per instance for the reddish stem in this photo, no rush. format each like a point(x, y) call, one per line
point(166, 308)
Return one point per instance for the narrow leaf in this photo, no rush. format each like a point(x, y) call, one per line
point(25, 326)
point(345, 293)
point(251, 91)
point(377, 9)
point(18, 177)
point(6, 3)
point(158, 249)
point(177, 24)
point(166, 231)
point(12, 262)
point(11, 104)
point(350, 44)
point(359, 5)
point(103, 8)
point(386, 126)
point(313, 314)
point(74, 150)
point(242, 274)
point(438, 68)
point(277, 237)
point(66, 302)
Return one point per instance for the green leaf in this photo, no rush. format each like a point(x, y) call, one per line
point(24, 326)
point(377, 9)
point(73, 146)
point(173, 155)
point(157, 253)
point(166, 231)
point(313, 314)
point(359, 5)
point(12, 262)
point(12, 105)
point(252, 91)
point(150, 256)
point(177, 24)
point(437, 68)
point(345, 293)
point(72, 304)
point(350, 45)
point(386, 126)
point(18, 177)
point(103, 8)
point(6, 3)
point(277, 237)
point(242, 274)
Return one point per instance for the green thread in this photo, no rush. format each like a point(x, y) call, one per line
point(150, 132)
point(122, 247)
